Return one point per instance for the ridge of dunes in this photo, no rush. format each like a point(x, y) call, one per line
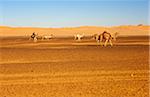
point(124, 30)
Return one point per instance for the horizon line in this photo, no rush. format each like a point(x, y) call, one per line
point(72, 26)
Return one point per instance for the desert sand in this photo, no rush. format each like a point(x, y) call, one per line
point(63, 67)
point(123, 30)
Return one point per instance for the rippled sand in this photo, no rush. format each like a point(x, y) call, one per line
point(68, 68)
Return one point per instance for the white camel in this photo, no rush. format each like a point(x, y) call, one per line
point(115, 35)
point(47, 37)
point(78, 36)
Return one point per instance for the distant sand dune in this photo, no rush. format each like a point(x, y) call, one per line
point(87, 30)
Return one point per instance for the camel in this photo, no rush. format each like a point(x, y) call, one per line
point(114, 36)
point(106, 37)
point(96, 37)
point(47, 37)
point(34, 37)
point(78, 36)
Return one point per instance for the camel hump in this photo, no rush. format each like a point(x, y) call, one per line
point(105, 32)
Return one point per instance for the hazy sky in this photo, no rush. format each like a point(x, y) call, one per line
point(71, 13)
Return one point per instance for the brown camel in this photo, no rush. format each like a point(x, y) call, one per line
point(106, 37)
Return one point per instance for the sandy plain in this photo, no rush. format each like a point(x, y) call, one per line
point(63, 67)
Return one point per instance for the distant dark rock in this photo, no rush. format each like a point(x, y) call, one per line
point(140, 25)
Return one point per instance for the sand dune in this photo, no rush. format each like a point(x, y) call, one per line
point(87, 30)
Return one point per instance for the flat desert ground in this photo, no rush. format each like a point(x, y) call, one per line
point(63, 67)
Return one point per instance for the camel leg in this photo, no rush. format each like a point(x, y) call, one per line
point(35, 39)
point(97, 40)
point(75, 37)
point(110, 42)
point(101, 39)
point(106, 42)
point(101, 43)
point(78, 38)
